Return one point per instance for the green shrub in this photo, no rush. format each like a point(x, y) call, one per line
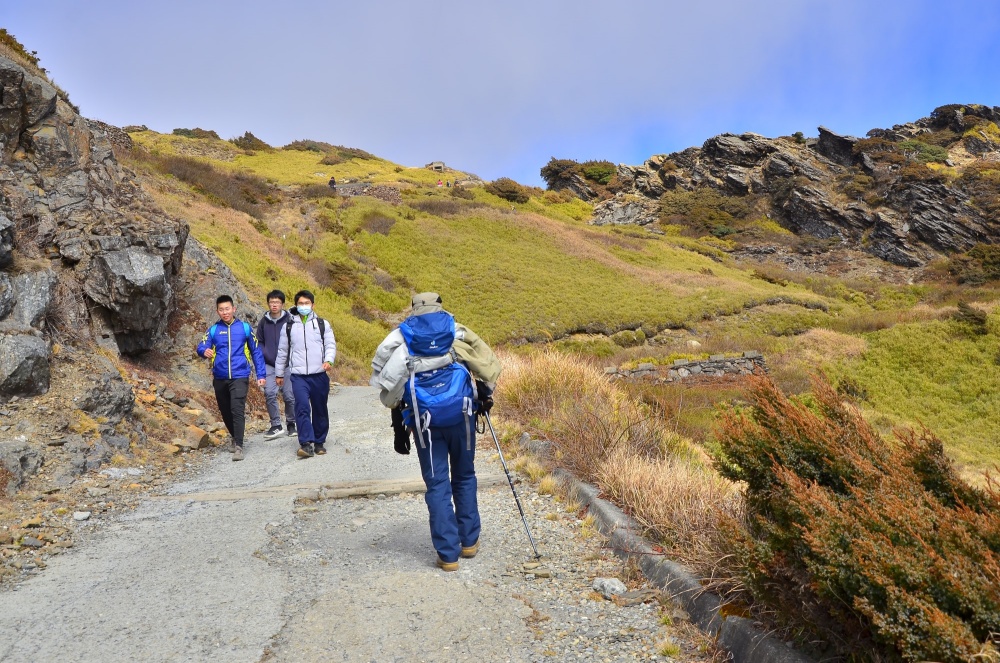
point(918, 172)
point(704, 210)
point(598, 171)
point(878, 549)
point(973, 319)
point(196, 133)
point(309, 146)
point(241, 191)
point(250, 142)
point(558, 173)
point(508, 189)
point(977, 266)
point(882, 150)
point(925, 153)
point(856, 184)
point(981, 180)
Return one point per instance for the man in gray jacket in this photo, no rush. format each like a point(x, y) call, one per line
point(305, 353)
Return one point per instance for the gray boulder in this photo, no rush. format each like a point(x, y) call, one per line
point(85, 456)
point(33, 297)
point(111, 397)
point(24, 365)
point(6, 241)
point(134, 288)
point(21, 461)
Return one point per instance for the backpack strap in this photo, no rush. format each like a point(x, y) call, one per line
point(288, 333)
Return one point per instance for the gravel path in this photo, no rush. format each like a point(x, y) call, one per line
point(230, 566)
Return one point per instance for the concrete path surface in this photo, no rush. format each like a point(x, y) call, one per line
point(229, 567)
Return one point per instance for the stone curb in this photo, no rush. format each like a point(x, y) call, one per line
point(738, 635)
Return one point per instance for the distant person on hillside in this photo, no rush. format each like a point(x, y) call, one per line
point(305, 353)
point(439, 182)
point(269, 332)
point(333, 183)
point(447, 184)
point(233, 349)
point(436, 374)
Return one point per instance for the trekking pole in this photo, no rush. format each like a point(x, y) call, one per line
point(512, 489)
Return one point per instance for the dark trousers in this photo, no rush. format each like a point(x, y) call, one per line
point(452, 525)
point(312, 418)
point(231, 395)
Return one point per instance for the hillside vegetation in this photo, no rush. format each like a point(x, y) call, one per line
point(535, 272)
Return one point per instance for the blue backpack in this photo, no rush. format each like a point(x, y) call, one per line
point(441, 397)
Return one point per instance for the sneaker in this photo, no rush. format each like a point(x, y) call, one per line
point(273, 432)
point(320, 450)
point(305, 451)
point(446, 566)
point(291, 429)
point(469, 552)
point(238, 452)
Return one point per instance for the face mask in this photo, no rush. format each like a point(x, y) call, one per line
point(305, 309)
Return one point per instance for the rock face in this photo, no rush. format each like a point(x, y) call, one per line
point(836, 187)
point(65, 197)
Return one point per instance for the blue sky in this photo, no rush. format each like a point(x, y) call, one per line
point(497, 88)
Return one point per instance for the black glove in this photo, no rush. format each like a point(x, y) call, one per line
point(400, 436)
point(485, 395)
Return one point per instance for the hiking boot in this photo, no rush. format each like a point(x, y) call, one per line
point(291, 429)
point(320, 450)
point(273, 432)
point(446, 566)
point(305, 451)
point(470, 551)
point(238, 452)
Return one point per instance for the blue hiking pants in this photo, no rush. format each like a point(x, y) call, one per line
point(311, 415)
point(452, 525)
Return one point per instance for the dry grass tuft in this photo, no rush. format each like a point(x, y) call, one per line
point(605, 435)
point(688, 508)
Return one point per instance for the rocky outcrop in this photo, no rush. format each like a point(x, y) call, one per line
point(814, 187)
point(835, 147)
point(65, 197)
point(635, 210)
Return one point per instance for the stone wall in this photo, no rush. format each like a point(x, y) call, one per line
point(716, 366)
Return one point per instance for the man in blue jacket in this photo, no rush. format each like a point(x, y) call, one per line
point(233, 349)
point(270, 329)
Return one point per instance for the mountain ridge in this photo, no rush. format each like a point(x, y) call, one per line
point(908, 195)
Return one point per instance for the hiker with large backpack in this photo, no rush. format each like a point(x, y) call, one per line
point(436, 375)
point(233, 349)
point(305, 353)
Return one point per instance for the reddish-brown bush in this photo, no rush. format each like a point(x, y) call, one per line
point(875, 547)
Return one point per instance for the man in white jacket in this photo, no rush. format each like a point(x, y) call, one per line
point(446, 451)
point(305, 353)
